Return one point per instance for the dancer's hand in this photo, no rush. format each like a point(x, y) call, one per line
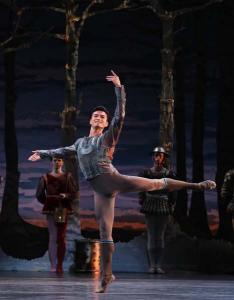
point(207, 185)
point(114, 78)
point(35, 156)
point(104, 164)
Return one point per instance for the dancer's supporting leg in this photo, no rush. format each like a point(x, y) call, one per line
point(52, 249)
point(104, 209)
point(107, 249)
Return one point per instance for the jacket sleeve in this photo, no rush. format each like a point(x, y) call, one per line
point(111, 136)
point(64, 151)
point(41, 191)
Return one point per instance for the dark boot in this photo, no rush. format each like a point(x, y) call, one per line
point(155, 258)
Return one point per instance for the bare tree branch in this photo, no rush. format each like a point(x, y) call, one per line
point(53, 8)
point(6, 47)
point(155, 7)
point(12, 7)
point(85, 14)
point(8, 3)
point(195, 8)
point(124, 5)
point(17, 23)
point(4, 43)
point(17, 12)
point(59, 36)
point(152, 5)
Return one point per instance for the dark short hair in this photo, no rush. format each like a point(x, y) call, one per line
point(101, 108)
point(57, 156)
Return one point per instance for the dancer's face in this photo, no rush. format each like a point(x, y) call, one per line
point(99, 120)
point(159, 159)
point(57, 163)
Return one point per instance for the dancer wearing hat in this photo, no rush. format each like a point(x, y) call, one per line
point(157, 206)
point(95, 154)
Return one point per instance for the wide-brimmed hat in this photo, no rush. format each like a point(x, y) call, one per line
point(160, 150)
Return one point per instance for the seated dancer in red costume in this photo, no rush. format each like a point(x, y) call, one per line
point(55, 191)
point(95, 154)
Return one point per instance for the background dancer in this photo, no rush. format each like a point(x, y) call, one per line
point(157, 206)
point(55, 191)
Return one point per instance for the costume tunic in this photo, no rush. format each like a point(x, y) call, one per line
point(49, 189)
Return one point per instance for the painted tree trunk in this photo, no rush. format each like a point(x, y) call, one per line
point(167, 93)
point(198, 213)
point(10, 196)
point(166, 134)
point(69, 115)
point(70, 107)
point(17, 237)
point(181, 207)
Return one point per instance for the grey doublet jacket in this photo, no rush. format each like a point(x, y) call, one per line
point(92, 151)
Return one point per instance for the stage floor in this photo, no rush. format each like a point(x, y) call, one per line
point(176, 286)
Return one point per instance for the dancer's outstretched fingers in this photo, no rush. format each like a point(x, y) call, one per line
point(113, 73)
point(35, 156)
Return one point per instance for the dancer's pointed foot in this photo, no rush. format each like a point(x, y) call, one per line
point(106, 281)
point(207, 185)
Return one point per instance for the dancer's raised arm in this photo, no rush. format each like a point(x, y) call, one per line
point(111, 135)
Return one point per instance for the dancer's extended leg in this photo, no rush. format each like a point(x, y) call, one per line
point(136, 184)
point(108, 183)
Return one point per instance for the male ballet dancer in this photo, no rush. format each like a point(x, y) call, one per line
point(95, 154)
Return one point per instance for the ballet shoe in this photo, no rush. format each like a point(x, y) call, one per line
point(105, 282)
